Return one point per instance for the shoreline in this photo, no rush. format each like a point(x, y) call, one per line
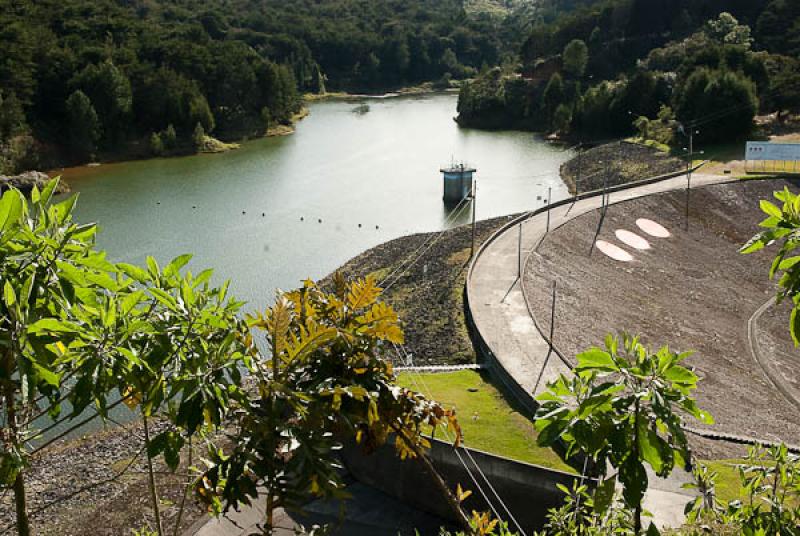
point(223, 147)
point(273, 131)
point(426, 88)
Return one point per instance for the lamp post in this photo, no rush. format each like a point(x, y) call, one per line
point(689, 159)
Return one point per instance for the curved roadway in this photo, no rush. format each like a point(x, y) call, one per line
point(770, 371)
point(494, 293)
point(503, 321)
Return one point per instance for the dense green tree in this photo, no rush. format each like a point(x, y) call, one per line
point(785, 86)
point(723, 101)
point(12, 116)
point(110, 93)
point(562, 118)
point(575, 57)
point(83, 124)
point(147, 65)
point(778, 27)
point(553, 95)
point(725, 29)
point(199, 137)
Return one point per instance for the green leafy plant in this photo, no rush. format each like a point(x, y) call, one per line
point(705, 506)
point(82, 332)
point(782, 226)
point(323, 380)
point(623, 407)
point(771, 480)
point(39, 247)
point(182, 350)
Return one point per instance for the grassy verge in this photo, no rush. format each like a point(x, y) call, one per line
point(492, 424)
point(663, 147)
point(489, 422)
point(728, 485)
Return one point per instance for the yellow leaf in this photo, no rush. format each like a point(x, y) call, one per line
point(313, 337)
point(381, 321)
point(278, 320)
point(131, 397)
point(462, 495)
point(363, 293)
point(61, 347)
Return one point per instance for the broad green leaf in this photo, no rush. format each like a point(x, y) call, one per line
point(649, 446)
point(11, 208)
point(49, 377)
point(596, 359)
point(48, 190)
point(63, 210)
point(152, 267)
point(97, 261)
point(604, 495)
point(134, 272)
point(770, 209)
point(176, 264)
point(681, 375)
point(52, 325)
point(9, 295)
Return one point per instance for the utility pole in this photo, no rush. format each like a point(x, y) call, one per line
point(605, 186)
point(474, 189)
point(519, 253)
point(689, 164)
point(549, 192)
point(689, 174)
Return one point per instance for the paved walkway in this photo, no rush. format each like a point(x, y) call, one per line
point(501, 315)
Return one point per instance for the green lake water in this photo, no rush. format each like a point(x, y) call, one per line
point(254, 214)
point(240, 212)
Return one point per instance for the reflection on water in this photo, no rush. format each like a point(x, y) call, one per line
point(282, 209)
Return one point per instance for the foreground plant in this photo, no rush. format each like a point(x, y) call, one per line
point(81, 332)
point(623, 407)
point(782, 226)
point(324, 380)
point(182, 354)
point(770, 480)
point(39, 246)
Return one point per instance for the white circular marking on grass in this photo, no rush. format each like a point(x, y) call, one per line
point(613, 251)
point(631, 239)
point(652, 228)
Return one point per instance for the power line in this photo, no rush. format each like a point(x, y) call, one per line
point(409, 362)
point(424, 242)
point(432, 243)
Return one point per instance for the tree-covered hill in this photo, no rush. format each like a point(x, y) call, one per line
point(89, 76)
point(602, 68)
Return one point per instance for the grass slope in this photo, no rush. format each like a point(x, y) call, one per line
point(489, 422)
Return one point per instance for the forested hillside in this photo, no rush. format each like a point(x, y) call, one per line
point(611, 67)
point(82, 77)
